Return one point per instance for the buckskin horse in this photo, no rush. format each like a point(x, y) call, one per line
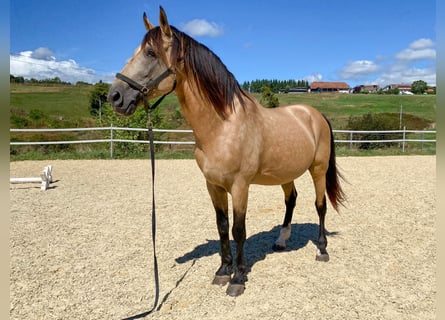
point(238, 141)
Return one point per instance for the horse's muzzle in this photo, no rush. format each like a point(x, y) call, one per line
point(123, 103)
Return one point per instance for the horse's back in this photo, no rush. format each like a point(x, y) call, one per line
point(302, 120)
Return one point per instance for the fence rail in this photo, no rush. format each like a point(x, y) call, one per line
point(353, 136)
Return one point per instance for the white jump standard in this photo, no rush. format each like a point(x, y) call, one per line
point(45, 178)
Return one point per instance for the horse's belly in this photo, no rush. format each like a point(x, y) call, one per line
point(279, 174)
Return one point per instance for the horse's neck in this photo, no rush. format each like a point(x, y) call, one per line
point(203, 119)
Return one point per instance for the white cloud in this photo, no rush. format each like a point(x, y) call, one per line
point(407, 75)
point(416, 62)
point(313, 77)
point(421, 49)
point(421, 44)
point(412, 55)
point(202, 27)
point(359, 68)
point(43, 54)
point(41, 64)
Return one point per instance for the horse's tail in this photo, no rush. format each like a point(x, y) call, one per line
point(335, 193)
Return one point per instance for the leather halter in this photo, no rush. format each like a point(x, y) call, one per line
point(150, 85)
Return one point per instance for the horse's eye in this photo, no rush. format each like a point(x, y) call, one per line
point(150, 53)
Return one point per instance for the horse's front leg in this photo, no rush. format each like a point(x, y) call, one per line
point(219, 200)
point(239, 200)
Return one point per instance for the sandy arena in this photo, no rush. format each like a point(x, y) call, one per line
point(82, 249)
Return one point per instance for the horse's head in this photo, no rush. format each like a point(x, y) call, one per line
point(149, 73)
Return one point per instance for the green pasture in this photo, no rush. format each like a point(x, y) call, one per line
point(339, 107)
point(60, 106)
point(60, 101)
point(71, 102)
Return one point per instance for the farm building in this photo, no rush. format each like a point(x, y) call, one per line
point(401, 87)
point(366, 88)
point(329, 87)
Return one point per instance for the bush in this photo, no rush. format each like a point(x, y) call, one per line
point(36, 114)
point(374, 122)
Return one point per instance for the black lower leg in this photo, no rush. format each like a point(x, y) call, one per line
point(225, 270)
point(290, 205)
point(239, 235)
point(290, 197)
point(236, 286)
point(322, 253)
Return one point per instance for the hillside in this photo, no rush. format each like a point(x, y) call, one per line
point(65, 106)
point(68, 105)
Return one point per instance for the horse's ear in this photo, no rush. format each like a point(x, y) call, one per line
point(147, 23)
point(163, 23)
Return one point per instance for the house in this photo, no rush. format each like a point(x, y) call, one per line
point(371, 88)
point(319, 86)
point(431, 90)
point(402, 87)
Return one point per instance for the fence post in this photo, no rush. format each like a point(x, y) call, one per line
point(404, 136)
point(350, 140)
point(421, 143)
point(111, 141)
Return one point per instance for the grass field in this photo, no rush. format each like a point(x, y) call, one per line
point(68, 106)
point(63, 101)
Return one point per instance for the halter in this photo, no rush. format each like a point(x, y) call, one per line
point(145, 89)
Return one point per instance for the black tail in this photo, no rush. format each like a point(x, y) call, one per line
point(333, 189)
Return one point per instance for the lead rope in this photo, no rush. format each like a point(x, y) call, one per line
point(148, 109)
point(153, 218)
point(153, 210)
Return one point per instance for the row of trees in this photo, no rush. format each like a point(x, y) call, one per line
point(48, 81)
point(55, 80)
point(274, 85)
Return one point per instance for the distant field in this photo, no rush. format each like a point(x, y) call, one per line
point(68, 106)
point(65, 101)
point(357, 104)
point(339, 107)
point(72, 102)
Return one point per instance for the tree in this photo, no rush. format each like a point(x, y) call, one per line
point(268, 98)
point(419, 87)
point(13, 79)
point(98, 96)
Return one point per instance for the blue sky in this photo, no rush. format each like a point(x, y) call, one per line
point(377, 42)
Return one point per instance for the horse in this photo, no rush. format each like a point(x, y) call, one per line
point(238, 142)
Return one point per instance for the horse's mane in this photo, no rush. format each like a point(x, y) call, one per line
point(210, 76)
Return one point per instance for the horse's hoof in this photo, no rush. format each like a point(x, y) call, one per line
point(235, 289)
point(221, 280)
point(278, 247)
point(322, 257)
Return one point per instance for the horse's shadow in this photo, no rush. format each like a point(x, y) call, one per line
point(259, 245)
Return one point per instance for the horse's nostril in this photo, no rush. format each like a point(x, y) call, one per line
point(115, 96)
point(115, 99)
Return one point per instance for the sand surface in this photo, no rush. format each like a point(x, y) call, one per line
point(82, 249)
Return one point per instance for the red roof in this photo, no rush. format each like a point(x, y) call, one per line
point(330, 85)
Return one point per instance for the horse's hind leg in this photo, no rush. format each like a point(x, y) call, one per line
point(290, 197)
point(219, 199)
point(322, 254)
point(319, 177)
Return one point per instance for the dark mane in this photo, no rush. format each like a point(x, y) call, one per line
point(215, 83)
